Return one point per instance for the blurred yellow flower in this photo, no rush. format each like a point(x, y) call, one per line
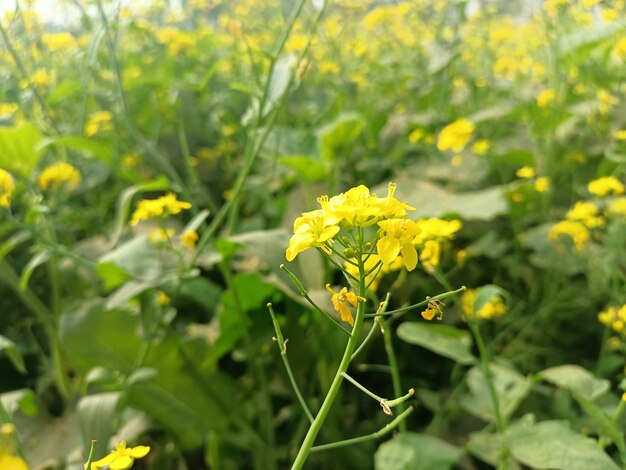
point(416, 135)
point(122, 457)
point(7, 109)
point(162, 298)
point(587, 213)
point(545, 98)
point(455, 136)
point(573, 229)
point(481, 146)
point(59, 41)
point(605, 185)
point(8, 459)
point(526, 172)
point(163, 206)
point(542, 184)
point(495, 307)
point(100, 121)
point(7, 186)
point(58, 175)
point(41, 80)
point(189, 239)
point(618, 206)
point(614, 317)
point(620, 135)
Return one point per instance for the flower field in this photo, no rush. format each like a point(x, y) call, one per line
point(341, 234)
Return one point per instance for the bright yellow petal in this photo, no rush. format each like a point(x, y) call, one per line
point(121, 463)
point(388, 249)
point(103, 462)
point(346, 316)
point(140, 451)
point(409, 255)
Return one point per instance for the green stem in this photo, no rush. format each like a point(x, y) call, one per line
point(282, 346)
point(385, 430)
point(445, 295)
point(393, 364)
point(315, 427)
point(365, 390)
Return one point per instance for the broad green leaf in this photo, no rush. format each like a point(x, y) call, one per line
point(582, 37)
point(488, 447)
point(444, 340)
point(10, 349)
point(306, 168)
point(576, 379)
point(102, 150)
point(279, 81)
point(411, 451)
point(23, 400)
point(18, 148)
point(337, 138)
point(605, 424)
point(431, 200)
point(510, 387)
point(111, 274)
point(97, 415)
point(553, 445)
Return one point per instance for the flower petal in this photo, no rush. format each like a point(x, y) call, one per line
point(140, 451)
point(388, 249)
point(121, 462)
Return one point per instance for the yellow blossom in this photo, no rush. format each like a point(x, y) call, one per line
point(620, 134)
point(614, 317)
point(396, 239)
point(481, 147)
point(162, 298)
point(416, 135)
point(542, 184)
point(620, 48)
point(609, 14)
point(605, 185)
point(41, 80)
point(122, 457)
point(58, 175)
point(7, 109)
point(7, 187)
point(59, 41)
point(585, 212)
point(455, 136)
point(434, 308)
point(430, 255)
point(189, 239)
point(160, 235)
point(526, 172)
point(545, 98)
point(341, 299)
point(605, 101)
point(100, 121)
point(618, 206)
point(163, 206)
point(312, 229)
point(577, 231)
point(495, 307)
point(437, 229)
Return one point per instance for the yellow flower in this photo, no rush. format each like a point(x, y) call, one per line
point(341, 299)
point(100, 121)
point(431, 255)
point(396, 239)
point(416, 135)
point(59, 174)
point(437, 229)
point(161, 207)
point(481, 147)
point(160, 235)
point(614, 317)
point(9, 461)
point(122, 457)
point(545, 98)
point(621, 134)
point(312, 229)
point(526, 172)
point(585, 212)
point(605, 101)
point(542, 184)
point(162, 298)
point(7, 186)
point(189, 239)
point(59, 41)
point(390, 207)
point(573, 229)
point(620, 48)
point(605, 185)
point(455, 136)
point(8, 109)
point(618, 206)
point(495, 307)
point(433, 309)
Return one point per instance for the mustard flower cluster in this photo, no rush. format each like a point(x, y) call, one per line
point(121, 458)
point(494, 308)
point(163, 206)
point(358, 208)
point(614, 317)
point(59, 175)
point(7, 186)
point(585, 217)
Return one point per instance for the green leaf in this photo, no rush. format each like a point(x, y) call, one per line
point(18, 148)
point(336, 139)
point(510, 386)
point(138, 257)
point(23, 400)
point(37, 260)
point(585, 37)
point(488, 447)
point(10, 349)
point(97, 414)
point(102, 150)
point(576, 379)
point(553, 445)
point(603, 422)
point(306, 168)
point(111, 274)
point(411, 451)
point(444, 340)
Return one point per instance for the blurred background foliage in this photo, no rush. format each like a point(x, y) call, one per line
point(497, 114)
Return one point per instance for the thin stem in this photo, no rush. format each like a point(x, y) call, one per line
point(315, 427)
point(445, 295)
point(282, 346)
point(368, 392)
point(381, 308)
point(380, 433)
point(393, 363)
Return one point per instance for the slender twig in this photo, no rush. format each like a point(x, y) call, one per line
point(282, 346)
point(356, 440)
point(445, 295)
